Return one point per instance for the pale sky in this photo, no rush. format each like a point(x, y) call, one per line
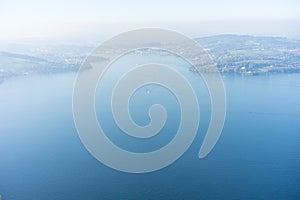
point(44, 18)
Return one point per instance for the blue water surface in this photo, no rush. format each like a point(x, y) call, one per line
point(257, 156)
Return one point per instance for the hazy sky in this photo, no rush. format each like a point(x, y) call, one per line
point(43, 18)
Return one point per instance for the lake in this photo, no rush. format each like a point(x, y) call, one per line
point(256, 157)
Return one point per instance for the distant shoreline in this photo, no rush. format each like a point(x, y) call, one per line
point(231, 54)
point(3, 79)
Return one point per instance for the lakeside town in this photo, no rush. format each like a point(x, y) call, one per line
point(241, 54)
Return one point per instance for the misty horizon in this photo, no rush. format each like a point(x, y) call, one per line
point(90, 19)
